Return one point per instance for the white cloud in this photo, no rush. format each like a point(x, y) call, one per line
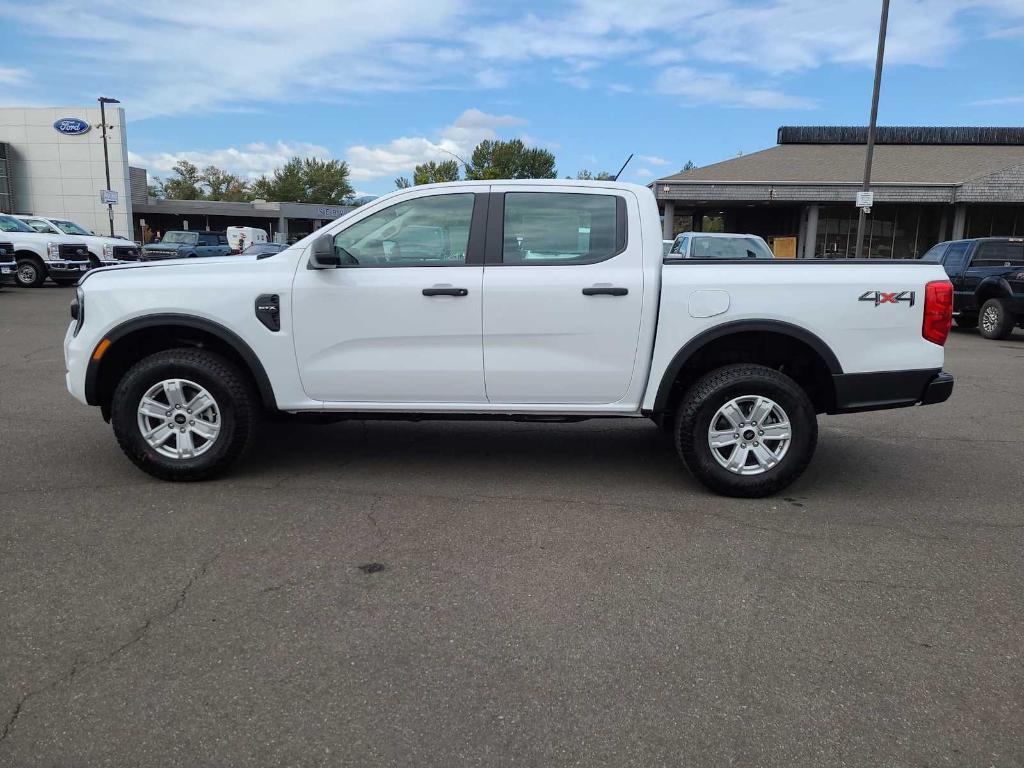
point(1001, 101)
point(194, 55)
point(719, 88)
point(13, 76)
point(249, 162)
point(652, 160)
point(401, 155)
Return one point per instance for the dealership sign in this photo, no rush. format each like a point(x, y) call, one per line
point(71, 126)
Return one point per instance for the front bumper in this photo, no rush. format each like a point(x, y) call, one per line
point(878, 391)
point(67, 269)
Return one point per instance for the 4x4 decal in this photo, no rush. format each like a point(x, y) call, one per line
point(883, 297)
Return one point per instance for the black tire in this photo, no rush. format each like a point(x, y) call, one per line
point(710, 393)
point(30, 273)
point(966, 321)
point(995, 321)
point(236, 400)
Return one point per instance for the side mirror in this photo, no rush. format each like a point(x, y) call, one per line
point(322, 254)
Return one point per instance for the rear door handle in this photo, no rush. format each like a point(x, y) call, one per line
point(445, 292)
point(605, 291)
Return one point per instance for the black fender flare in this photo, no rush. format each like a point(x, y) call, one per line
point(992, 287)
point(229, 337)
point(698, 342)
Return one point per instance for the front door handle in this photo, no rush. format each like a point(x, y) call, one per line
point(445, 292)
point(605, 291)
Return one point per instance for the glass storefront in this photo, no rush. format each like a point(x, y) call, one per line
point(994, 221)
point(891, 231)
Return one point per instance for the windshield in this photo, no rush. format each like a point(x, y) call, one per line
point(729, 248)
point(180, 237)
point(7, 224)
point(70, 228)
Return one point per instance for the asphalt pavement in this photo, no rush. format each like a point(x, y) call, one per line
point(448, 594)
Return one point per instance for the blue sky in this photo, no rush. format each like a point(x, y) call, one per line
point(387, 84)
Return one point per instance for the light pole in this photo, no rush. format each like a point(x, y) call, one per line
point(103, 100)
point(862, 218)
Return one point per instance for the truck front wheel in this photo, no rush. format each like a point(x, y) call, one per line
point(184, 414)
point(746, 430)
point(30, 273)
point(995, 321)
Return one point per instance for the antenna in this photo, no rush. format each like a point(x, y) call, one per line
point(616, 176)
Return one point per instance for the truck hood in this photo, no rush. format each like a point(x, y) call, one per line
point(197, 263)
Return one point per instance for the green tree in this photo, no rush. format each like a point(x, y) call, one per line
point(510, 160)
point(325, 181)
point(186, 184)
point(306, 180)
point(402, 183)
point(690, 165)
point(586, 175)
point(261, 189)
point(435, 173)
point(155, 188)
point(221, 185)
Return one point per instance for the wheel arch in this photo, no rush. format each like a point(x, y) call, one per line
point(755, 341)
point(134, 339)
point(992, 287)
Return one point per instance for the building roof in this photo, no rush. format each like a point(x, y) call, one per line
point(837, 163)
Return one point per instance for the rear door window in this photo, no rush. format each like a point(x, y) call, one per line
point(1008, 253)
point(562, 228)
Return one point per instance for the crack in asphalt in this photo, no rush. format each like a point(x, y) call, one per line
point(137, 635)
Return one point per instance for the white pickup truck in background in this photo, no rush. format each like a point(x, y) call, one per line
point(546, 300)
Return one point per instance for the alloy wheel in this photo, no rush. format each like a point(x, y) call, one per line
point(179, 419)
point(749, 435)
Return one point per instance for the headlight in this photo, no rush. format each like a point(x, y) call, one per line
point(52, 251)
point(78, 309)
point(108, 251)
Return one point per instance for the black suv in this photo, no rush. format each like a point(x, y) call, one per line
point(988, 282)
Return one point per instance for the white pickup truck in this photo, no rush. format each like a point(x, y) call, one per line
point(525, 300)
point(39, 256)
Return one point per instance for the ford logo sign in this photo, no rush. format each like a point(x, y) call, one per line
point(71, 126)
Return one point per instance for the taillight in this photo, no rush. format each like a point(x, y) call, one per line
point(938, 311)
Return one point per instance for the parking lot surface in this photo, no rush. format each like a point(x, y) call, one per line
point(419, 594)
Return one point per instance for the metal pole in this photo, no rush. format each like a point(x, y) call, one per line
point(861, 220)
point(106, 162)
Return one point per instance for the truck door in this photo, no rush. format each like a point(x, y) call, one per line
point(563, 292)
point(955, 264)
point(399, 320)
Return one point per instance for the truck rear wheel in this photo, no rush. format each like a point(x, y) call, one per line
point(746, 430)
point(995, 321)
point(184, 414)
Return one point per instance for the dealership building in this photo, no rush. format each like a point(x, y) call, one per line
point(52, 164)
point(929, 184)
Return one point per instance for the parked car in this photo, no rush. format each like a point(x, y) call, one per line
point(719, 245)
point(185, 244)
point(988, 282)
point(8, 266)
point(240, 238)
point(736, 358)
point(103, 251)
point(666, 247)
point(61, 258)
point(262, 250)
